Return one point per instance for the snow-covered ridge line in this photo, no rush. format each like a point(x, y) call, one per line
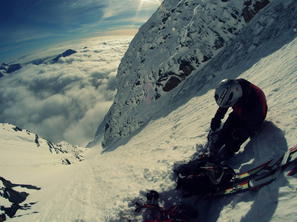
point(7, 69)
point(181, 38)
point(23, 153)
point(67, 153)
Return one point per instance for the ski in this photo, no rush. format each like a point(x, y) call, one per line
point(261, 175)
point(245, 175)
point(250, 180)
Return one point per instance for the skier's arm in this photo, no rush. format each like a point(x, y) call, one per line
point(220, 114)
point(216, 120)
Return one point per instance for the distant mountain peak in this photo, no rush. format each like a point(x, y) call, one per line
point(66, 53)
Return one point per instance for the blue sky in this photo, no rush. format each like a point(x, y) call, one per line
point(28, 25)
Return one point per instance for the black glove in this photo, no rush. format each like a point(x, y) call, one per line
point(215, 124)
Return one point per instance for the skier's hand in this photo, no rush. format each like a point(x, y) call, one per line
point(215, 124)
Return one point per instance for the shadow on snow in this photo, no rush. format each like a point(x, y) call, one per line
point(15, 198)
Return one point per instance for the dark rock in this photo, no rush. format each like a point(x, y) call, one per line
point(56, 59)
point(64, 54)
point(231, 30)
point(68, 52)
point(260, 4)
point(13, 68)
point(234, 16)
point(1, 75)
point(164, 76)
point(219, 42)
point(37, 140)
point(248, 14)
point(37, 61)
point(4, 66)
point(14, 197)
point(106, 126)
point(171, 83)
point(248, 2)
point(17, 129)
point(250, 10)
point(186, 68)
point(206, 58)
point(157, 96)
point(165, 18)
point(50, 144)
point(66, 162)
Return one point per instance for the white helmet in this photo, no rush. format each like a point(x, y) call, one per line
point(227, 93)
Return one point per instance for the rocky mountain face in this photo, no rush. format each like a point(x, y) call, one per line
point(181, 38)
point(9, 68)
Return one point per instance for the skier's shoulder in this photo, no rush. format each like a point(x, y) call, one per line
point(244, 83)
point(247, 84)
point(250, 89)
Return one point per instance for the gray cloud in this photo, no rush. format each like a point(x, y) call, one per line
point(67, 100)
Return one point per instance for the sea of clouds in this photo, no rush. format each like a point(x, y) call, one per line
point(66, 100)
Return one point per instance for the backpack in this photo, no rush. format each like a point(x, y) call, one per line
point(201, 177)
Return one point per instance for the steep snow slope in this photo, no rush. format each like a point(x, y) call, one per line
point(25, 157)
point(101, 186)
point(180, 39)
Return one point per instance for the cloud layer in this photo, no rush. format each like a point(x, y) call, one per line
point(67, 100)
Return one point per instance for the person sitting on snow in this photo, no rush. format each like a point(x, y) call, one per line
point(249, 112)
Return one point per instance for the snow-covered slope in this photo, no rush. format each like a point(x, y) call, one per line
point(179, 40)
point(26, 144)
point(100, 187)
point(24, 156)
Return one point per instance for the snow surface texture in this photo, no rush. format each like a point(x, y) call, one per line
point(26, 155)
point(101, 187)
point(179, 40)
point(64, 98)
